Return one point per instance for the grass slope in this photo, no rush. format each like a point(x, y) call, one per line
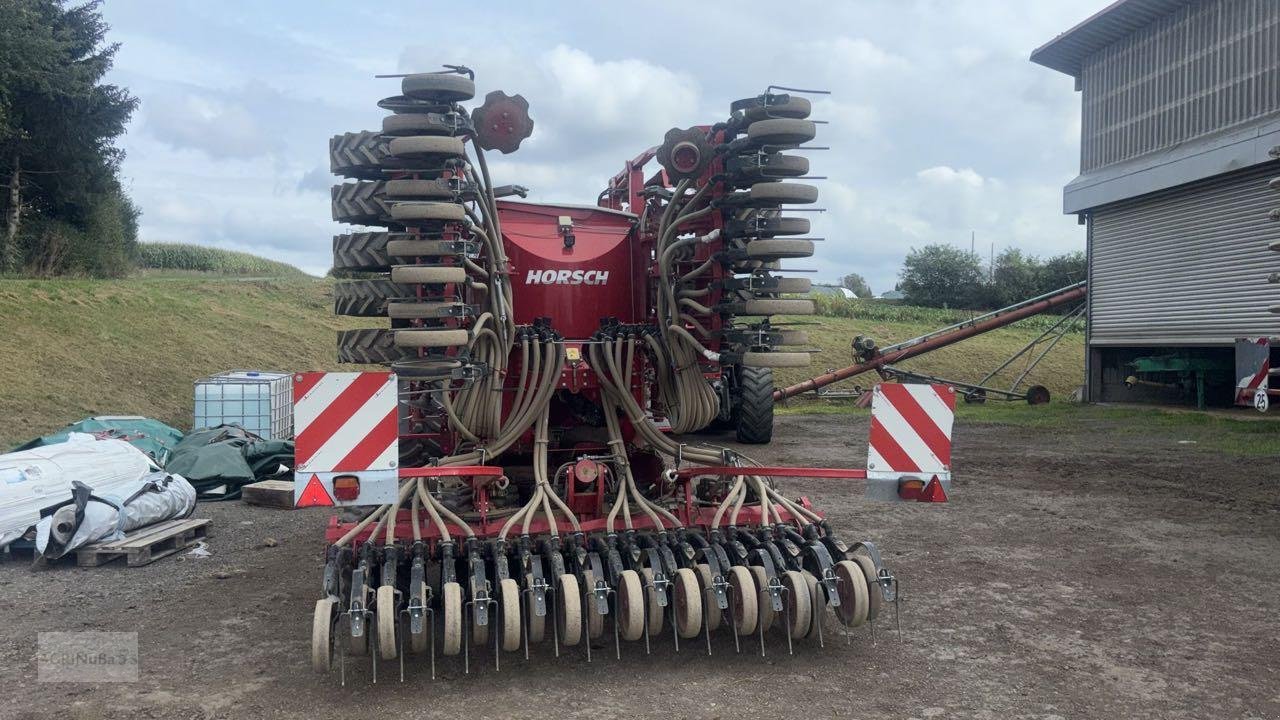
point(154, 258)
point(75, 348)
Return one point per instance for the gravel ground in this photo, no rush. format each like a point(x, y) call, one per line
point(1082, 575)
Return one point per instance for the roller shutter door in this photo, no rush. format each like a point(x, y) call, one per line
point(1186, 266)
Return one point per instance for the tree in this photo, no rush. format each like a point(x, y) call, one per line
point(64, 209)
point(1063, 270)
point(1014, 277)
point(942, 276)
point(857, 284)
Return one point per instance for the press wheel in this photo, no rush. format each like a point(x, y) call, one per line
point(451, 601)
point(386, 621)
point(798, 604)
point(509, 617)
point(875, 596)
point(322, 635)
point(687, 601)
point(852, 587)
point(714, 616)
point(746, 612)
point(817, 603)
point(651, 603)
point(359, 646)
point(630, 605)
point(535, 625)
point(595, 621)
point(764, 600)
point(569, 610)
point(479, 633)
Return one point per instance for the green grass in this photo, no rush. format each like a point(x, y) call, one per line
point(75, 348)
point(180, 258)
point(1249, 434)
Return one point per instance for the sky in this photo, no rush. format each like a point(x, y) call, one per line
point(940, 129)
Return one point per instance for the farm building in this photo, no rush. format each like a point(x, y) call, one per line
point(1180, 134)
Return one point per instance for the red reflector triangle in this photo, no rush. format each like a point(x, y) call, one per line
point(933, 492)
point(314, 494)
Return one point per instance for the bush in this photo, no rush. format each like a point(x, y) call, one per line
point(198, 258)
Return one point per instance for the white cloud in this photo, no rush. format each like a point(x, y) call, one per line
point(943, 175)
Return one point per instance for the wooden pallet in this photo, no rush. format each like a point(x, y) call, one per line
point(269, 493)
point(145, 545)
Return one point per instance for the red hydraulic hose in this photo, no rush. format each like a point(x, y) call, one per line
point(964, 330)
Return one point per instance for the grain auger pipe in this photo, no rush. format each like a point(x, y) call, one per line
point(942, 338)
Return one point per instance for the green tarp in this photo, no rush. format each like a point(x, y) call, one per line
point(219, 461)
point(150, 436)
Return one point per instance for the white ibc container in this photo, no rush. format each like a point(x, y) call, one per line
point(260, 402)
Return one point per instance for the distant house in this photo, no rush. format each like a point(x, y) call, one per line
point(892, 295)
point(832, 290)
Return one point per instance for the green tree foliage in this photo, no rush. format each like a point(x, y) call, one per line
point(942, 276)
point(63, 209)
point(858, 284)
point(1063, 270)
point(1014, 277)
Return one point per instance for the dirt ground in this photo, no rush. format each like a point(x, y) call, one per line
point(1083, 574)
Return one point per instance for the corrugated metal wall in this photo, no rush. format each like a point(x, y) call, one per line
point(1202, 69)
point(1186, 266)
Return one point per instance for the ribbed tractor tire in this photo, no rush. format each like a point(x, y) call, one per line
point(442, 87)
point(414, 212)
point(791, 286)
point(779, 193)
point(773, 166)
point(781, 131)
point(777, 306)
point(772, 249)
point(755, 405)
point(755, 109)
point(775, 359)
point(371, 347)
point(366, 251)
point(415, 189)
point(428, 274)
point(420, 145)
point(419, 124)
point(359, 203)
point(367, 298)
point(357, 154)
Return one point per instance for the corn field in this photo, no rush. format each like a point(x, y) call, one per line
point(882, 311)
point(197, 258)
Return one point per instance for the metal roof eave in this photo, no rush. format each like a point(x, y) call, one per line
point(1066, 52)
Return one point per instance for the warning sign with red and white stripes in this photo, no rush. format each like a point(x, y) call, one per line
point(911, 431)
point(345, 422)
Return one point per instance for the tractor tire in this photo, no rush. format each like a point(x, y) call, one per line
point(755, 405)
point(359, 203)
point(775, 359)
point(365, 252)
point(357, 154)
point(781, 131)
point(440, 87)
point(371, 347)
point(778, 193)
point(779, 249)
point(367, 298)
